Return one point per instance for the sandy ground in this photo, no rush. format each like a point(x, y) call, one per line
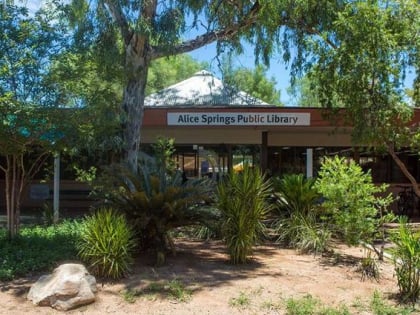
point(214, 286)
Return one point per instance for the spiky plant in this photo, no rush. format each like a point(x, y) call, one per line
point(156, 202)
point(106, 243)
point(296, 193)
point(242, 200)
point(298, 223)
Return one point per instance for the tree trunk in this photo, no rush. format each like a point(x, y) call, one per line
point(403, 168)
point(133, 103)
point(16, 179)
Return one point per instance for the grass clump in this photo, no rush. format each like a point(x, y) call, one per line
point(308, 305)
point(380, 307)
point(106, 244)
point(242, 301)
point(37, 249)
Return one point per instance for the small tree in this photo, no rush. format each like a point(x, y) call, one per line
point(27, 128)
point(351, 200)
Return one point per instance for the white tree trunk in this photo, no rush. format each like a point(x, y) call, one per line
point(137, 66)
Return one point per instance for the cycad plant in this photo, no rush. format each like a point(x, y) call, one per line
point(156, 199)
point(296, 193)
point(299, 224)
point(156, 202)
point(242, 200)
point(106, 243)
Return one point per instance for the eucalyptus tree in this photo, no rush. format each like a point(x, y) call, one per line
point(153, 29)
point(28, 120)
point(362, 62)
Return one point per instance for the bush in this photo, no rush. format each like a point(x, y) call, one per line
point(407, 261)
point(296, 193)
point(156, 199)
point(304, 232)
point(242, 200)
point(37, 249)
point(106, 243)
point(351, 202)
point(299, 224)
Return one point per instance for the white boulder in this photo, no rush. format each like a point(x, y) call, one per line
point(69, 286)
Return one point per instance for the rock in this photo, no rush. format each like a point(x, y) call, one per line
point(69, 286)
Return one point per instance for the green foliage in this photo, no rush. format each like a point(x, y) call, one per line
point(362, 64)
point(309, 305)
point(299, 223)
point(351, 200)
point(407, 261)
point(163, 150)
point(37, 249)
point(295, 193)
point(254, 82)
point(242, 200)
point(178, 291)
point(304, 232)
point(156, 201)
point(167, 71)
point(381, 307)
point(242, 301)
point(107, 243)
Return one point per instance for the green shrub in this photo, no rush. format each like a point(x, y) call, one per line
point(156, 200)
point(407, 261)
point(242, 200)
point(299, 224)
point(296, 193)
point(156, 203)
point(304, 232)
point(106, 243)
point(37, 249)
point(351, 203)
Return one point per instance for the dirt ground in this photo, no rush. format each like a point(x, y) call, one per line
point(213, 286)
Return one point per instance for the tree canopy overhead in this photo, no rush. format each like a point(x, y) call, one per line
point(142, 31)
point(358, 51)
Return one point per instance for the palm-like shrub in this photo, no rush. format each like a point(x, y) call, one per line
point(106, 243)
point(242, 200)
point(295, 193)
point(299, 223)
point(156, 202)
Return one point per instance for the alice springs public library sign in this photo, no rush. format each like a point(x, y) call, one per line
point(237, 119)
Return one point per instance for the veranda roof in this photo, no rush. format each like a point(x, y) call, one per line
point(202, 89)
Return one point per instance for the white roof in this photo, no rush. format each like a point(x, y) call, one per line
point(202, 89)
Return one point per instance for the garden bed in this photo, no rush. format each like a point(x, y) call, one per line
point(200, 280)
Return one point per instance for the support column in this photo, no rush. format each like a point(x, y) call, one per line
point(56, 197)
point(229, 158)
point(264, 151)
point(309, 163)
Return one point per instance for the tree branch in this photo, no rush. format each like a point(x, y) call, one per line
point(403, 168)
point(209, 37)
point(117, 14)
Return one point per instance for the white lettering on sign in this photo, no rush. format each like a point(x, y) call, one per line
point(238, 119)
